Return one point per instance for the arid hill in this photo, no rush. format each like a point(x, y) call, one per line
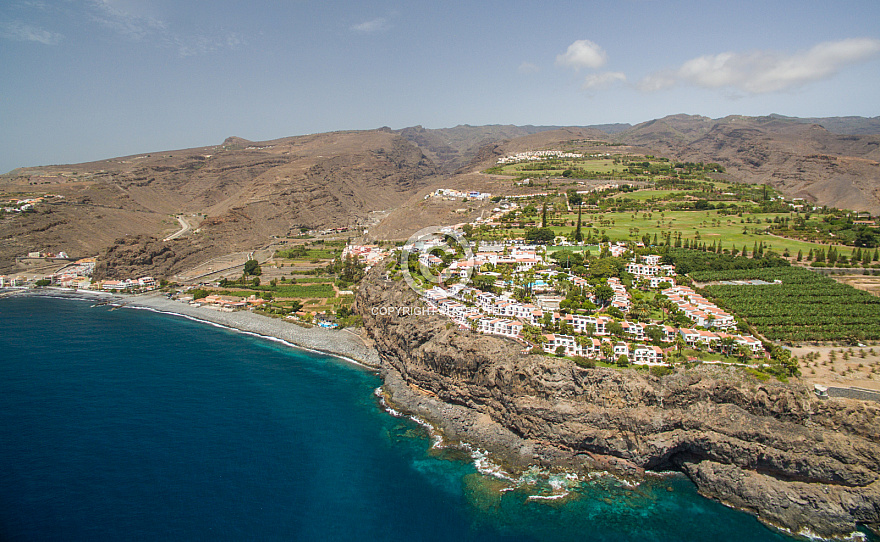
point(246, 192)
point(239, 194)
point(800, 159)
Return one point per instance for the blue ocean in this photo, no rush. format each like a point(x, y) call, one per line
point(131, 425)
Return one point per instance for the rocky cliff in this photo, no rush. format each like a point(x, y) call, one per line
point(773, 449)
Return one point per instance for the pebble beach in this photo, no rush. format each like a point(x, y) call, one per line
point(342, 343)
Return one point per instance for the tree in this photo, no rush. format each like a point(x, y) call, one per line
point(199, 293)
point(604, 268)
point(607, 350)
point(728, 344)
point(578, 235)
point(542, 235)
point(615, 329)
point(622, 360)
point(865, 238)
point(788, 362)
point(639, 311)
point(743, 353)
point(544, 215)
point(603, 293)
point(560, 351)
point(680, 343)
point(252, 267)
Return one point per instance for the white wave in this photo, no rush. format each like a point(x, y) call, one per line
point(553, 497)
point(484, 465)
point(561, 482)
point(436, 436)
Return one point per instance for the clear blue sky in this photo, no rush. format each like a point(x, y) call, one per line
point(89, 79)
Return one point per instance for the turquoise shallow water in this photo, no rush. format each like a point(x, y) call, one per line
point(130, 425)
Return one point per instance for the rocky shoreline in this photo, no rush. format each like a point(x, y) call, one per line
point(806, 466)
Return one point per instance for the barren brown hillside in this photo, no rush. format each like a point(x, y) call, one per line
point(246, 191)
point(240, 194)
point(801, 159)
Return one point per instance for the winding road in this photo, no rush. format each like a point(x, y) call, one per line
point(185, 227)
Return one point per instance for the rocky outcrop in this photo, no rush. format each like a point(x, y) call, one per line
point(770, 448)
point(142, 255)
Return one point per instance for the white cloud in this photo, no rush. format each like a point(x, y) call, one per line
point(528, 67)
point(657, 81)
point(582, 54)
point(143, 26)
point(19, 31)
point(373, 25)
point(203, 45)
point(761, 72)
point(602, 80)
point(132, 26)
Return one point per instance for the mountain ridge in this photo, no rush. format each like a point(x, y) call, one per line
point(245, 191)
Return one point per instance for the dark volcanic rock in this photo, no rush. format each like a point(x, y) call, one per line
point(139, 256)
point(770, 448)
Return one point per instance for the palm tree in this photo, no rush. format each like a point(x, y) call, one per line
point(607, 350)
point(639, 311)
point(743, 353)
point(727, 345)
point(680, 344)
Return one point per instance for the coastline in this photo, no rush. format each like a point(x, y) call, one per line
point(461, 421)
point(338, 343)
point(770, 449)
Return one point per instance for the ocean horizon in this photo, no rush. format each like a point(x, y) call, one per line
point(130, 424)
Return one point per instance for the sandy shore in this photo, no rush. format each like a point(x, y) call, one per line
point(341, 343)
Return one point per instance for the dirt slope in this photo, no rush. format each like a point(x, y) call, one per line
point(247, 192)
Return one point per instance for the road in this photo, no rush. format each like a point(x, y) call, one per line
point(233, 262)
point(185, 227)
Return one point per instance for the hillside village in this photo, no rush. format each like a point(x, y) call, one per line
point(538, 320)
point(633, 307)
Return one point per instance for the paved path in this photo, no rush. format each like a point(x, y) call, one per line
point(861, 394)
point(185, 227)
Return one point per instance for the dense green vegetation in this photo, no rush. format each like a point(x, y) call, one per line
point(833, 227)
point(300, 290)
point(618, 166)
point(695, 261)
point(301, 252)
point(805, 307)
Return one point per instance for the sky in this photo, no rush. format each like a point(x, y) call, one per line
point(83, 80)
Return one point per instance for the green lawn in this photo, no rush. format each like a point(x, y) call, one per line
point(645, 195)
point(727, 230)
point(305, 290)
point(603, 165)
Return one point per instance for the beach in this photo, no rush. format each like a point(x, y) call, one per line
point(342, 343)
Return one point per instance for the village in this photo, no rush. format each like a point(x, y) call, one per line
point(511, 285)
point(538, 319)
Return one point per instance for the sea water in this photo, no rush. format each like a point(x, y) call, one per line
point(131, 425)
